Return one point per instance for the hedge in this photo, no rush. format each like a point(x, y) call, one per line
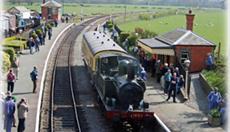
point(132, 39)
point(39, 32)
point(144, 17)
point(11, 52)
point(216, 78)
point(6, 62)
point(17, 47)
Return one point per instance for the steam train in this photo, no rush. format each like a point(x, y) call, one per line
point(115, 75)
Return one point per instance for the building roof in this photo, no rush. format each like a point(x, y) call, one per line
point(183, 37)
point(20, 9)
point(99, 42)
point(154, 43)
point(51, 3)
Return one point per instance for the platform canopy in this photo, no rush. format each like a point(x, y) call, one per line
point(51, 3)
point(154, 46)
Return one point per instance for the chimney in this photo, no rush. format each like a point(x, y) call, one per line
point(43, 1)
point(189, 20)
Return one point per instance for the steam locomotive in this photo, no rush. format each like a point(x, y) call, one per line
point(115, 75)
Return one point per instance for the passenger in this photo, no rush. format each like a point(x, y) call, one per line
point(9, 113)
point(67, 19)
point(223, 116)
point(22, 114)
point(177, 71)
point(34, 78)
point(167, 79)
point(209, 62)
point(10, 81)
point(37, 43)
point(180, 83)
point(158, 70)
point(49, 33)
point(31, 44)
point(171, 67)
point(9, 95)
point(15, 67)
point(214, 99)
point(2, 104)
point(153, 68)
point(143, 74)
point(164, 69)
point(173, 88)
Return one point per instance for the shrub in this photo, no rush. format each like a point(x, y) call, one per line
point(11, 52)
point(34, 35)
point(39, 31)
point(144, 17)
point(215, 113)
point(110, 26)
point(123, 36)
point(148, 34)
point(6, 62)
point(109, 22)
point(139, 30)
point(132, 39)
point(48, 26)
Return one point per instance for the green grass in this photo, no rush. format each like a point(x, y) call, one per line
point(90, 9)
point(209, 24)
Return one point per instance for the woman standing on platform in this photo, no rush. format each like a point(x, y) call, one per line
point(22, 114)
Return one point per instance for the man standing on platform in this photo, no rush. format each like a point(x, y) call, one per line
point(34, 78)
point(9, 113)
point(172, 88)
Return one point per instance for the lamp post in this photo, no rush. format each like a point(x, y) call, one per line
point(187, 89)
point(20, 33)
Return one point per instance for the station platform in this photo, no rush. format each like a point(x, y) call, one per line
point(189, 116)
point(23, 86)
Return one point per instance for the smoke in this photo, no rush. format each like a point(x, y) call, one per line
point(1, 72)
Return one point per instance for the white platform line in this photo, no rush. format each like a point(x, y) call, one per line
point(43, 79)
point(162, 124)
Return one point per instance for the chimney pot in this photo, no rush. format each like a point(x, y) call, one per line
point(189, 20)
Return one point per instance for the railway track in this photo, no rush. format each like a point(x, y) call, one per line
point(62, 112)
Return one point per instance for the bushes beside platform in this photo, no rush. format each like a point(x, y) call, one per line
point(11, 52)
point(216, 77)
point(6, 61)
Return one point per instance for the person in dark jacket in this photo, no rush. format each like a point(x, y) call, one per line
point(49, 33)
point(158, 70)
point(164, 69)
point(180, 83)
point(172, 88)
point(34, 78)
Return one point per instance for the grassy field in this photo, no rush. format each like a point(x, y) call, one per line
point(210, 24)
point(91, 9)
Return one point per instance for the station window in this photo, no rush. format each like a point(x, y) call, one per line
point(184, 56)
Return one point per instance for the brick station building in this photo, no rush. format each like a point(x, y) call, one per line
point(178, 45)
point(51, 10)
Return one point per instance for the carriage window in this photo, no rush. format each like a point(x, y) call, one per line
point(109, 66)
